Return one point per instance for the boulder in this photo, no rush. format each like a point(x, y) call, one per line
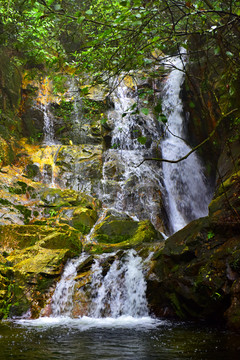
point(118, 230)
point(34, 257)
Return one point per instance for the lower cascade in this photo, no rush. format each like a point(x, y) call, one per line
point(116, 287)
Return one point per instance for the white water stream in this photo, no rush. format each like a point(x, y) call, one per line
point(48, 125)
point(185, 183)
point(126, 186)
point(122, 291)
point(62, 298)
point(118, 294)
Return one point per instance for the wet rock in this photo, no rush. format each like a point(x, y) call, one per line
point(84, 219)
point(118, 230)
point(80, 167)
point(35, 257)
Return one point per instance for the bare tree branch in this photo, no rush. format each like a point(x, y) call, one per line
point(193, 149)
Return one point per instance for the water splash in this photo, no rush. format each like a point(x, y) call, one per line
point(187, 194)
point(119, 292)
point(62, 303)
point(122, 291)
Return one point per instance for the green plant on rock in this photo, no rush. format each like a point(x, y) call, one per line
point(52, 212)
point(210, 235)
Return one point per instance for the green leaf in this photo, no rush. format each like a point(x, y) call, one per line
point(145, 111)
point(191, 105)
point(229, 53)
point(162, 118)
point(210, 234)
point(158, 108)
point(217, 50)
point(85, 90)
point(142, 140)
point(148, 61)
point(89, 12)
point(80, 19)
point(137, 23)
point(57, 7)
point(103, 121)
point(133, 106)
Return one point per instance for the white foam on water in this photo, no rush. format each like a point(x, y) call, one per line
point(85, 323)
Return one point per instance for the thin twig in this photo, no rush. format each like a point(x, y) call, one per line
point(193, 149)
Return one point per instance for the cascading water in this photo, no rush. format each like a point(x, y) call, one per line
point(122, 290)
point(126, 186)
point(62, 298)
point(76, 115)
point(48, 125)
point(185, 183)
point(119, 292)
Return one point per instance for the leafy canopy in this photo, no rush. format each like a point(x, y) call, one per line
point(111, 36)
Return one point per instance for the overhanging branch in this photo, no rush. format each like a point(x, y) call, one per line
point(193, 149)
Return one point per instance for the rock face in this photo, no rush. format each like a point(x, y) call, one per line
point(116, 230)
point(32, 260)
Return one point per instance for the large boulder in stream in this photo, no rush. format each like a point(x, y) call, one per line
point(31, 261)
point(119, 231)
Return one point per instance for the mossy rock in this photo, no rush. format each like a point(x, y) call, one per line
point(23, 236)
point(33, 171)
point(42, 261)
point(118, 230)
point(192, 274)
point(67, 198)
point(84, 219)
point(28, 272)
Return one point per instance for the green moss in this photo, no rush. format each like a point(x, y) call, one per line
point(176, 305)
point(125, 231)
point(84, 219)
point(26, 213)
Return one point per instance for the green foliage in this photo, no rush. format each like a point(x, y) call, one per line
point(162, 118)
point(142, 140)
point(52, 212)
point(210, 235)
point(122, 36)
point(115, 36)
point(64, 110)
point(145, 111)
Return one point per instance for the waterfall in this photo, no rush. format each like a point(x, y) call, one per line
point(77, 121)
point(48, 125)
point(62, 298)
point(185, 183)
point(119, 292)
point(122, 290)
point(126, 186)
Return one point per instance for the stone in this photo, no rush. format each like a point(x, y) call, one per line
point(118, 230)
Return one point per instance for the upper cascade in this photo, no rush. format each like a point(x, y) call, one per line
point(187, 193)
point(126, 185)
